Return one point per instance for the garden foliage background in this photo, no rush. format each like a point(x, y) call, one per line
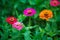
point(39, 29)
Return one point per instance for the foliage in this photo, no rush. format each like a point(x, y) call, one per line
point(39, 29)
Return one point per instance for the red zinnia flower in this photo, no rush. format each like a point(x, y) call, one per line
point(11, 20)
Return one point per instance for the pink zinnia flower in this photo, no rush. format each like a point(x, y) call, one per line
point(59, 3)
point(17, 25)
point(54, 3)
point(29, 12)
point(54, 0)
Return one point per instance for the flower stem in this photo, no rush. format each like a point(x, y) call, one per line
point(29, 21)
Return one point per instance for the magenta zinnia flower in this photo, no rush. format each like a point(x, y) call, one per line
point(17, 25)
point(29, 12)
point(54, 3)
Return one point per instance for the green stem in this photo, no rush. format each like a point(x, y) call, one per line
point(29, 21)
point(55, 16)
point(16, 13)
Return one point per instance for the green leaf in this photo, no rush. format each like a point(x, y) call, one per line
point(44, 37)
point(23, 1)
point(32, 2)
point(27, 35)
point(49, 38)
point(36, 15)
point(37, 35)
point(42, 32)
point(15, 5)
point(50, 31)
point(21, 17)
point(57, 16)
point(47, 28)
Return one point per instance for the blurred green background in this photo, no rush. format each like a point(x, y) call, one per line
point(39, 29)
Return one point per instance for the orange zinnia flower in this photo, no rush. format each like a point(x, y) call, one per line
point(46, 14)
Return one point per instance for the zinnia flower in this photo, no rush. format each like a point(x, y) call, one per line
point(59, 3)
point(29, 12)
point(54, 0)
point(11, 20)
point(46, 14)
point(54, 3)
point(17, 25)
